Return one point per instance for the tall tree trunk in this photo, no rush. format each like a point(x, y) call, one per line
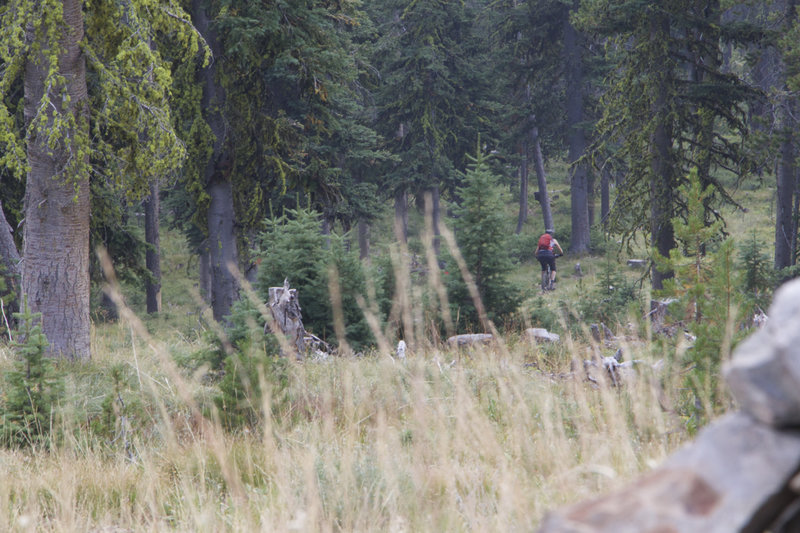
point(401, 214)
point(55, 269)
point(221, 228)
point(222, 248)
point(544, 198)
point(523, 188)
point(152, 210)
point(786, 174)
point(9, 266)
point(605, 198)
point(785, 189)
point(436, 213)
point(579, 185)
point(662, 234)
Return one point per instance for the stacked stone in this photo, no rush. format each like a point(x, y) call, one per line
point(741, 472)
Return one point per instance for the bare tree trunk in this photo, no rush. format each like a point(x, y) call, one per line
point(401, 215)
point(55, 269)
point(9, 266)
point(436, 213)
point(579, 185)
point(222, 240)
point(786, 173)
point(222, 249)
point(523, 188)
point(152, 210)
point(605, 205)
point(661, 179)
point(544, 198)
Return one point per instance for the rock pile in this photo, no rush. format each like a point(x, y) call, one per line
point(742, 473)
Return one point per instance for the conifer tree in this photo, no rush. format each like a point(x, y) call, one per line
point(482, 233)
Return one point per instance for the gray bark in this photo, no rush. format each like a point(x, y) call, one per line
point(221, 228)
point(55, 269)
point(401, 215)
point(436, 213)
point(9, 265)
point(661, 179)
point(579, 185)
point(605, 200)
point(786, 172)
point(152, 209)
point(523, 189)
point(204, 268)
point(544, 198)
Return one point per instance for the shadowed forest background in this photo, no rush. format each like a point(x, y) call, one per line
point(163, 164)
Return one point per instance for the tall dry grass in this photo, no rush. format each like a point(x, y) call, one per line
point(483, 439)
point(442, 441)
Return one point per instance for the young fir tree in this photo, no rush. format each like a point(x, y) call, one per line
point(482, 235)
point(293, 248)
point(33, 389)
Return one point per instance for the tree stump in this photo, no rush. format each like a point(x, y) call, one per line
point(286, 317)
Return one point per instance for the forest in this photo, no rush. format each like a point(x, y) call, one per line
point(165, 164)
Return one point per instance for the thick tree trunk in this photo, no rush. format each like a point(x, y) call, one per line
point(152, 210)
point(786, 173)
point(401, 215)
point(544, 198)
point(785, 190)
point(523, 188)
point(222, 247)
point(55, 269)
point(579, 186)
point(661, 172)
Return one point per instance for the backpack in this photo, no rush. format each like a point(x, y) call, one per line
point(545, 242)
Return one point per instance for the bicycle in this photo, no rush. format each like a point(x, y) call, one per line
point(547, 279)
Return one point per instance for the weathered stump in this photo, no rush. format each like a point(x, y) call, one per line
point(286, 317)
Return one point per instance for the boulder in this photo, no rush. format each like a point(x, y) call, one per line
point(764, 372)
point(469, 339)
point(734, 477)
point(541, 335)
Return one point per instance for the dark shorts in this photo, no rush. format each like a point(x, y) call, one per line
point(546, 257)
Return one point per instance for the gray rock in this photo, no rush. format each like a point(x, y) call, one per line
point(542, 335)
point(468, 340)
point(734, 477)
point(764, 372)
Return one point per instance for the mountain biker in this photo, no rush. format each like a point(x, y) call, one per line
point(546, 255)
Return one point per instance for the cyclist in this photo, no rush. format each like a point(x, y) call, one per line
point(546, 255)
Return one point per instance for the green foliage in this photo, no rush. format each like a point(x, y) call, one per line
point(689, 261)
point(249, 379)
point(482, 234)
point(33, 387)
point(756, 276)
point(292, 247)
point(609, 301)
